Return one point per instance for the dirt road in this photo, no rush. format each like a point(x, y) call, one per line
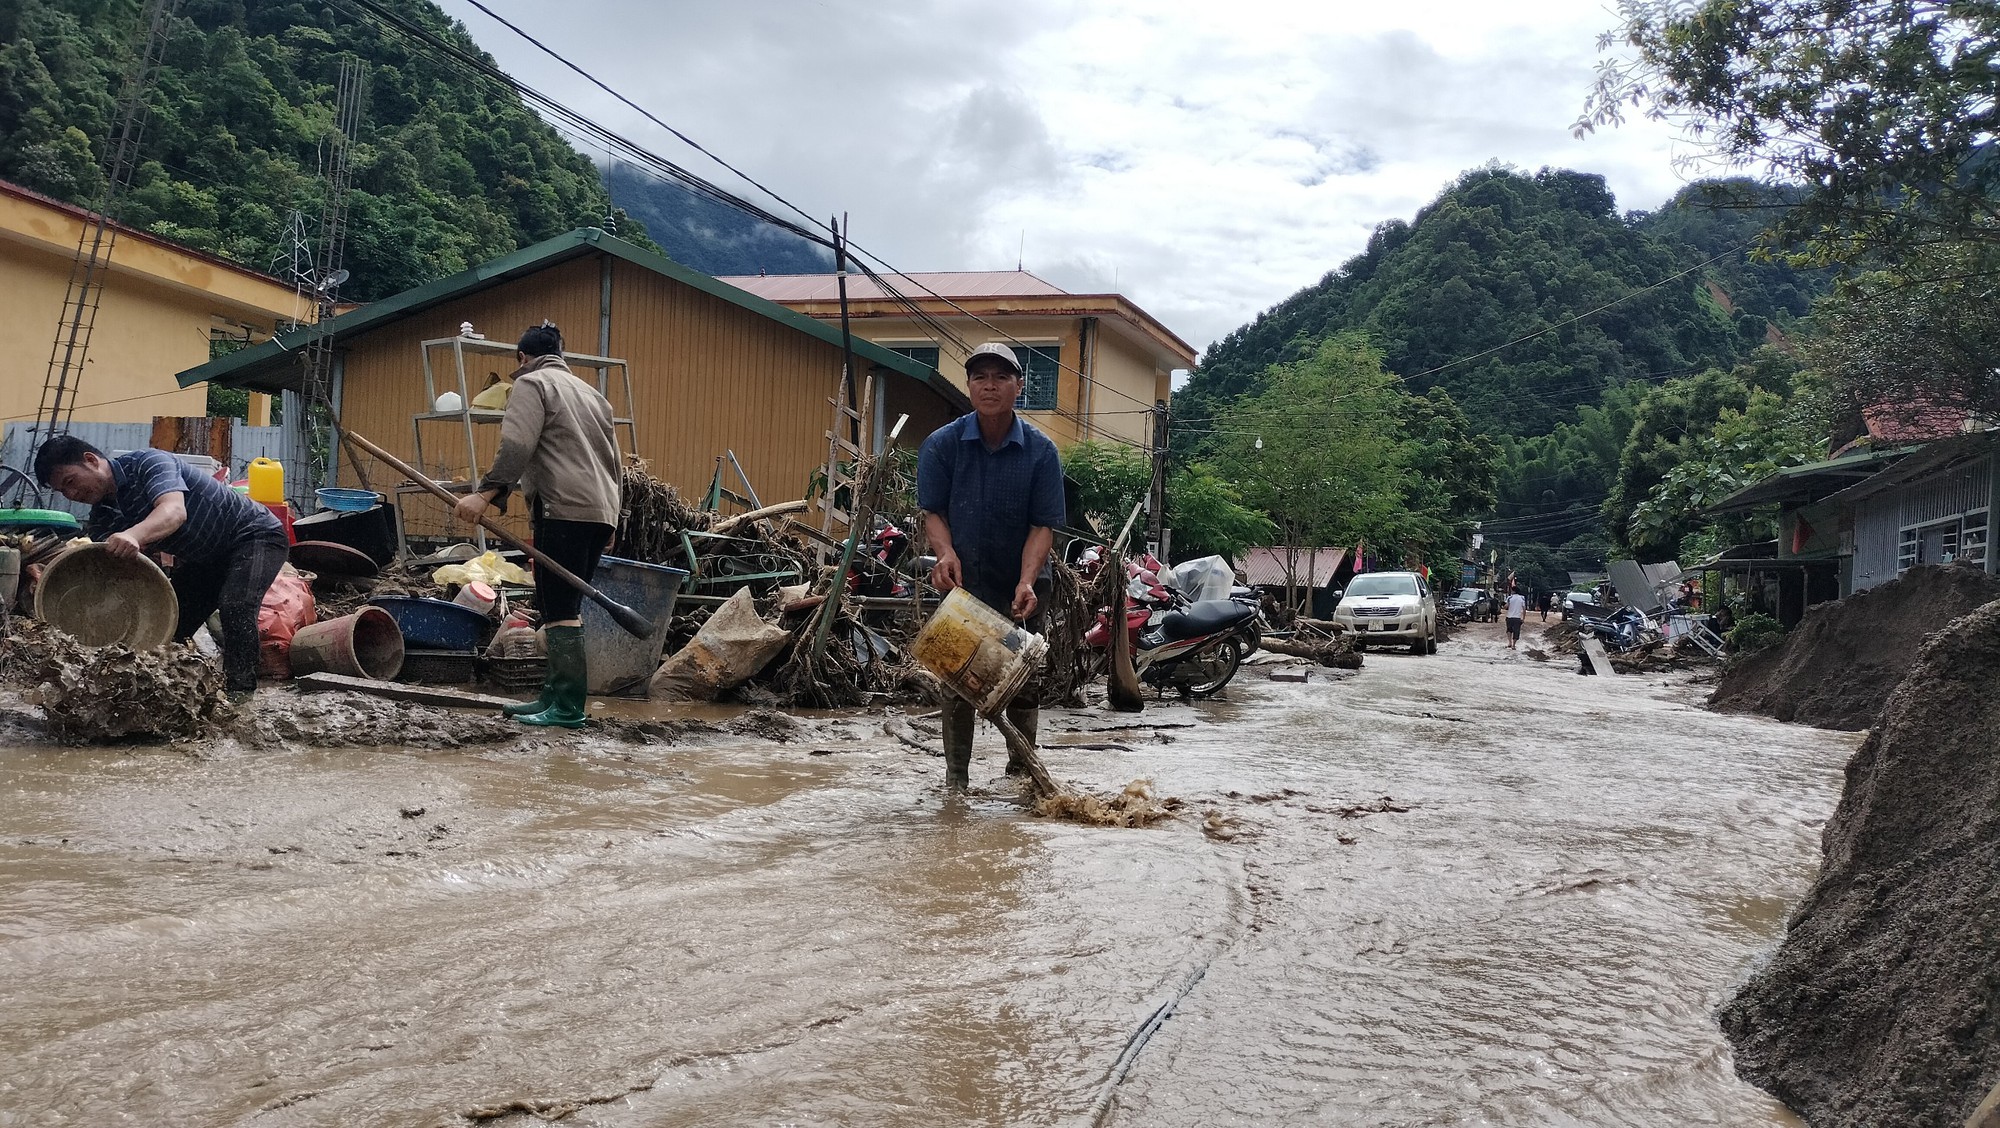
point(1464, 889)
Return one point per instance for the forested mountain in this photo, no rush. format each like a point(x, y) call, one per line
point(1502, 256)
point(450, 168)
point(1598, 348)
point(708, 236)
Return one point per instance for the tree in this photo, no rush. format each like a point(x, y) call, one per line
point(1920, 351)
point(1742, 448)
point(1886, 109)
point(1666, 424)
point(1204, 510)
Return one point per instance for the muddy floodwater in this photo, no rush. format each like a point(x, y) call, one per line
point(1469, 889)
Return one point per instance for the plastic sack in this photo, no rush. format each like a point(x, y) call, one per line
point(729, 650)
point(1209, 577)
point(486, 568)
point(288, 607)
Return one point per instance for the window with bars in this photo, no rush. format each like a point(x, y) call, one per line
point(1042, 365)
point(922, 354)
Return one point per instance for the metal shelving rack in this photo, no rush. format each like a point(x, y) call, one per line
point(623, 427)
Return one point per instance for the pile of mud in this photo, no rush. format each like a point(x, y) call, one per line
point(92, 694)
point(1836, 668)
point(1882, 1005)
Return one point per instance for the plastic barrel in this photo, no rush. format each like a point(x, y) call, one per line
point(621, 665)
point(366, 644)
point(978, 653)
point(267, 480)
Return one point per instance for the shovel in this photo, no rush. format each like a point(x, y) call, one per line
point(635, 624)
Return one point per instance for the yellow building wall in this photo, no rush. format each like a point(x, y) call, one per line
point(1128, 383)
point(1063, 425)
point(158, 306)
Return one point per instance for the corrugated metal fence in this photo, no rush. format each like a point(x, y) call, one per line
point(245, 443)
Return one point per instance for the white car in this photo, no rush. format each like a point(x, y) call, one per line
point(1389, 607)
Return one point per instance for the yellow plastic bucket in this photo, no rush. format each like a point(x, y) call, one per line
point(267, 480)
point(979, 653)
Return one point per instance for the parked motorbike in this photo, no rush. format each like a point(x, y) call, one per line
point(885, 545)
point(1192, 647)
point(1624, 629)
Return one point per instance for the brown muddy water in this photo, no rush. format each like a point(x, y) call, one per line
point(1568, 876)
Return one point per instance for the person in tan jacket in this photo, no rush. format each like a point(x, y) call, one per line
point(558, 448)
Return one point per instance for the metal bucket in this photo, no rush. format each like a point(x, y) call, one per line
point(620, 664)
point(100, 599)
point(982, 655)
point(366, 644)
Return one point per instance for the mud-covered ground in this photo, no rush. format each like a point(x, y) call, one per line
point(1463, 889)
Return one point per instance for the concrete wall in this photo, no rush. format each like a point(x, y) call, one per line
point(159, 305)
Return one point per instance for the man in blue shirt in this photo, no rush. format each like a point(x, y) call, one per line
point(991, 488)
point(226, 548)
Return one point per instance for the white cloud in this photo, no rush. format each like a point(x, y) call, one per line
point(1211, 159)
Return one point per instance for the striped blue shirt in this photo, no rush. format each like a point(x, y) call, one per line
point(218, 518)
point(991, 498)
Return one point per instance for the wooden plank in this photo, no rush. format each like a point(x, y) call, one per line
point(396, 691)
point(1599, 661)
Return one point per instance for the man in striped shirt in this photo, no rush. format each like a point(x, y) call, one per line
point(226, 548)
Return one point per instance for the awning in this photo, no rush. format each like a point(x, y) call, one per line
point(1278, 567)
point(1798, 485)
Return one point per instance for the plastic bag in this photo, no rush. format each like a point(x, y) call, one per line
point(729, 650)
point(486, 568)
point(288, 606)
point(1208, 577)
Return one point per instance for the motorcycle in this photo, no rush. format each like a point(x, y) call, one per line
point(1624, 629)
point(1193, 647)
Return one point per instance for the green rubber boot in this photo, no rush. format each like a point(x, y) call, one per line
point(568, 681)
point(522, 708)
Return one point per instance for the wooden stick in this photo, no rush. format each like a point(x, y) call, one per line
point(730, 524)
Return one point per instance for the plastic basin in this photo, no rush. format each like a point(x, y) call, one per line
point(101, 600)
point(435, 624)
point(347, 501)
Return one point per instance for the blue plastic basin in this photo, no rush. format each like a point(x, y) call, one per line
point(347, 501)
point(435, 624)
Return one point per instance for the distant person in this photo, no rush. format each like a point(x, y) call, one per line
point(1517, 609)
point(226, 548)
point(1546, 600)
point(991, 488)
point(557, 446)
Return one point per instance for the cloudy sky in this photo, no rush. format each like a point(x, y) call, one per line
point(1205, 159)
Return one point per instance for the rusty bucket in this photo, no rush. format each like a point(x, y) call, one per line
point(366, 644)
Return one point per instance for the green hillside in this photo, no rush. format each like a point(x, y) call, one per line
point(448, 170)
point(1501, 256)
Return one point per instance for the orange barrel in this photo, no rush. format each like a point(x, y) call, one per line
point(366, 644)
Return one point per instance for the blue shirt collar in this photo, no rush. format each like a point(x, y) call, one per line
point(968, 430)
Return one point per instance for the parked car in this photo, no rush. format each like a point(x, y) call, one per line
point(1389, 607)
point(1472, 603)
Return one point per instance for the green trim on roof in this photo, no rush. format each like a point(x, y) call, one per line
point(1792, 480)
point(264, 366)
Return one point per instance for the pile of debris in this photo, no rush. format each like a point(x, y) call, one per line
point(1836, 668)
point(104, 693)
point(1880, 1006)
point(1323, 642)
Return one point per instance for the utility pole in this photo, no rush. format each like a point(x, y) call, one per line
point(1158, 498)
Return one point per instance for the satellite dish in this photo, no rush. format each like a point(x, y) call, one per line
point(334, 280)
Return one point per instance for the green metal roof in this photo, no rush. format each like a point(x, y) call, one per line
point(1810, 481)
point(272, 366)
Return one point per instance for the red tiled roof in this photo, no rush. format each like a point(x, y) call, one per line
point(861, 288)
